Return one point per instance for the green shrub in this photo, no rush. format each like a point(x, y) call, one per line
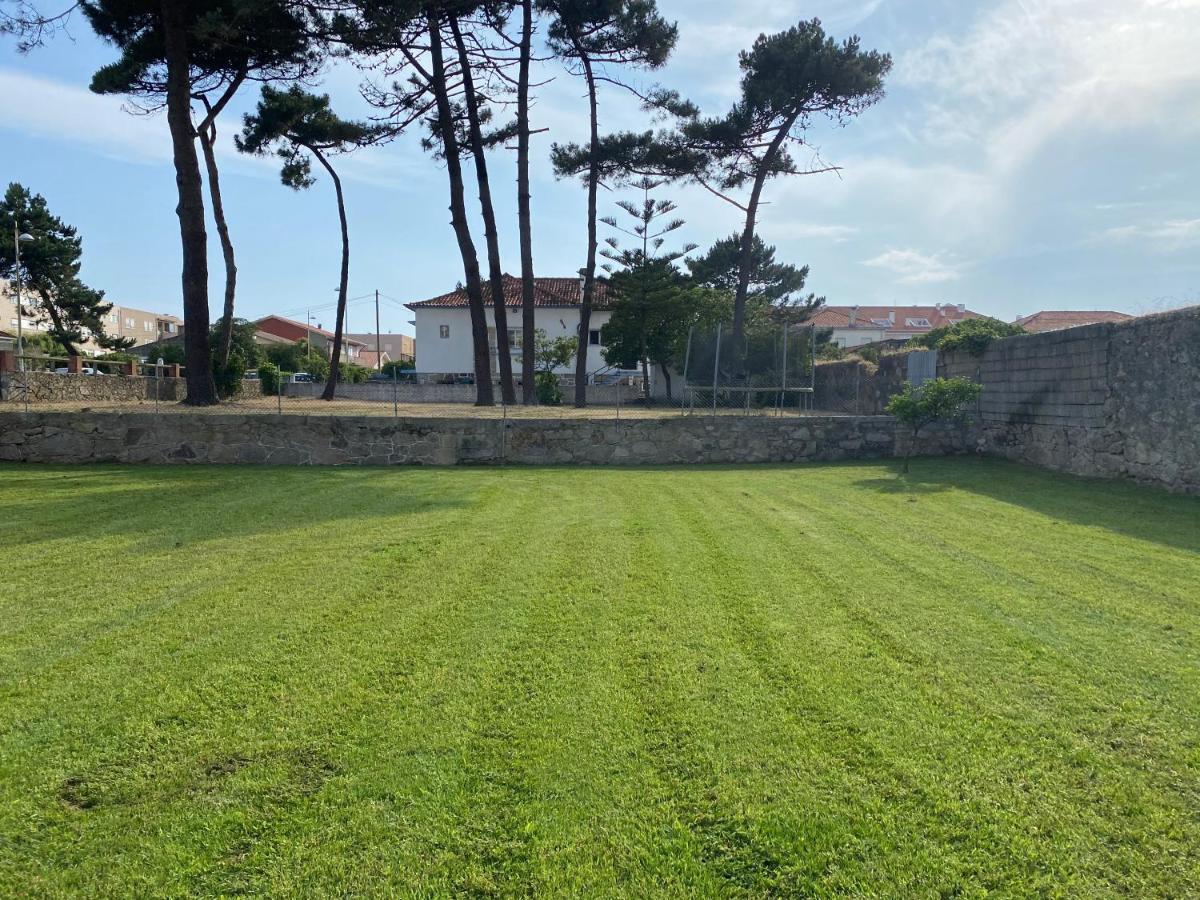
point(972, 335)
point(352, 374)
point(397, 366)
point(268, 376)
point(940, 400)
point(549, 393)
point(229, 377)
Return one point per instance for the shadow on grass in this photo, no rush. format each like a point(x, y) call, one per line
point(181, 506)
point(1136, 511)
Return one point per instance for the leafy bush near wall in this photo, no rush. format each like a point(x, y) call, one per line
point(229, 377)
point(352, 374)
point(972, 335)
point(548, 391)
point(268, 376)
point(940, 400)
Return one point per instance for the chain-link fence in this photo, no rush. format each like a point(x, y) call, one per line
point(768, 372)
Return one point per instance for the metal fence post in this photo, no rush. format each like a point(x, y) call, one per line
point(279, 395)
point(395, 392)
point(716, 369)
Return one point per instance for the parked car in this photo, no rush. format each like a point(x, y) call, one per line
point(84, 370)
point(302, 378)
point(251, 375)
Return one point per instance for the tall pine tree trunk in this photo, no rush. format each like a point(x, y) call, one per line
point(208, 136)
point(488, 213)
point(201, 389)
point(524, 218)
point(458, 215)
point(589, 272)
point(746, 251)
point(335, 360)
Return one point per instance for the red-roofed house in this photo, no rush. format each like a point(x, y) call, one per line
point(853, 326)
point(1058, 319)
point(443, 323)
point(291, 330)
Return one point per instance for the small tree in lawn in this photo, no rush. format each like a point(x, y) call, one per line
point(550, 354)
point(940, 400)
point(293, 122)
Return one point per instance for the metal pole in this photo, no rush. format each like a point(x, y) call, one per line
point(618, 387)
point(716, 369)
point(783, 374)
point(20, 311)
point(687, 358)
point(279, 394)
point(378, 345)
point(395, 392)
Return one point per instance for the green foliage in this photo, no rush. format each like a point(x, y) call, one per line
point(293, 121)
point(352, 374)
point(228, 378)
point(242, 340)
point(49, 273)
point(830, 351)
point(549, 392)
point(117, 356)
point(972, 335)
point(171, 353)
point(549, 354)
point(298, 358)
point(774, 286)
point(269, 378)
point(395, 366)
point(942, 399)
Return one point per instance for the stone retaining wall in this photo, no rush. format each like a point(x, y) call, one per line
point(303, 440)
point(383, 392)
point(49, 387)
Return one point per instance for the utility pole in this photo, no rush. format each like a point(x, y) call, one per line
point(378, 345)
point(308, 330)
point(20, 311)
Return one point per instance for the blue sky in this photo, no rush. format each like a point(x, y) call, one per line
point(1030, 154)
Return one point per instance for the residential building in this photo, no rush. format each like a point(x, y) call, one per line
point(853, 326)
point(443, 324)
point(1058, 319)
point(291, 330)
point(396, 347)
point(140, 325)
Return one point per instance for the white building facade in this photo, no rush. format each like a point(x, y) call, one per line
point(443, 326)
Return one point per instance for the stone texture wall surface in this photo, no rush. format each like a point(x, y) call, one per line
point(48, 387)
point(382, 392)
point(858, 387)
point(371, 440)
point(1109, 400)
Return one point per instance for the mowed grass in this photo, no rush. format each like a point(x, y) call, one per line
point(758, 681)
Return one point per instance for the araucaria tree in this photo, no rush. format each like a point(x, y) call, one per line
point(300, 127)
point(49, 272)
point(229, 42)
point(787, 79)
point(650, 292)
point(589, 35)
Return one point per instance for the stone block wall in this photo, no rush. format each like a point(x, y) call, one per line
point(857, 387)
point(49, 387)
point(372, 440)
point(1110, 400)
point(383, 392)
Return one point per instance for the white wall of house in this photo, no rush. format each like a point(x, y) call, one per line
point(444, 336)
point(855, 337)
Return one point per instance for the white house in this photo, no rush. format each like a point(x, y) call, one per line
point(443, 324)
point(853, 326)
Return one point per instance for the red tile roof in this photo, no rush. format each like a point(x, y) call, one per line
point(875, 317)
point(1057, 319)
point(547, 292)
point(296, 330)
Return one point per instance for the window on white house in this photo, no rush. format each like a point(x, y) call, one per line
point(443, 331)
point(130, 323)
point(515, 339)
point(594, 337)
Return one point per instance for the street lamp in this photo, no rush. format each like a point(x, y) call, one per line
point(20, 238)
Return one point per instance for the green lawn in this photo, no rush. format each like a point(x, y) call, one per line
point(809, 680)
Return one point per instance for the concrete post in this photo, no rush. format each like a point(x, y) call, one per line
point(74, 366)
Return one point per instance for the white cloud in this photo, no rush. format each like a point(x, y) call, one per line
point(913, 267)
point(1165, 237)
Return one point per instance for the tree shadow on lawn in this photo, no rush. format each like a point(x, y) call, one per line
point(181, 506)
point(1136, 511)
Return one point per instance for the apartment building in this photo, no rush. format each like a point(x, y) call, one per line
point(141, 325)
